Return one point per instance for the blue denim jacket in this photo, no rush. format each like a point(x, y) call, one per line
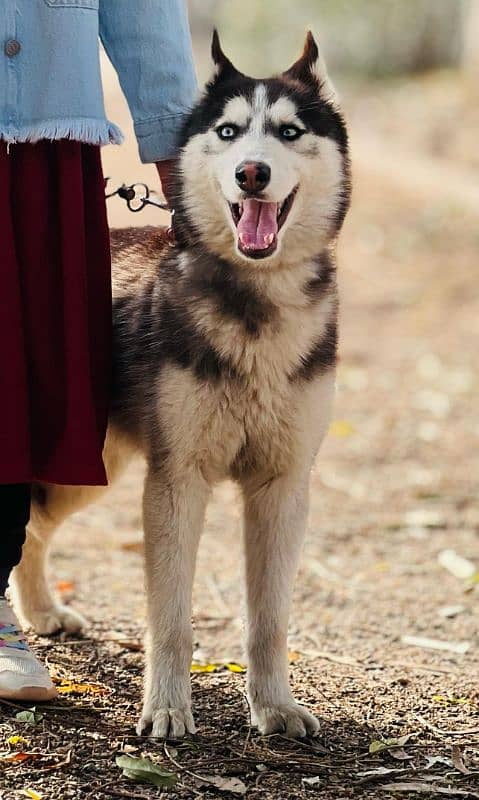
point(50, 84)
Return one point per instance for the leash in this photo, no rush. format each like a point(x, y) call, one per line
point(137, 197)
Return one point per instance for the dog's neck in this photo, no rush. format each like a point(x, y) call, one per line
point(237, 283)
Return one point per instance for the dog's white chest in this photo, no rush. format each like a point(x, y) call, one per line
point(224, 428)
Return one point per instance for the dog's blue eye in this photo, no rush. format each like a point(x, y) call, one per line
point(227, 131)
point(290, 132)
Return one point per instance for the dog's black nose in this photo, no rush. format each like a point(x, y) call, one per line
point(252, 176)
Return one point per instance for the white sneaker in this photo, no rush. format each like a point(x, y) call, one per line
point(22, 677)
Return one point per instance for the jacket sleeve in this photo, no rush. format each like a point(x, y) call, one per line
point(149, 44)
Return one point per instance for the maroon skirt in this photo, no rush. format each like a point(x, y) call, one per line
point(55, 313)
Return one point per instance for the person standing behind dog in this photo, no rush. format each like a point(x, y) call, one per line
point(55, 296)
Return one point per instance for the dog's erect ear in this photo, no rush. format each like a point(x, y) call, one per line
point(223, 66)
point(310, 69)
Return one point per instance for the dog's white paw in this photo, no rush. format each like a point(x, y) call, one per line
point(166, 723)
point(290, 718)
point(54, 619)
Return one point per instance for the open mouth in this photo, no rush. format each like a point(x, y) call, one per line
point(258, 223)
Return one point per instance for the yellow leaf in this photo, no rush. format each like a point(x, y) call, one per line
point(70, 687)
point(235, 667)
point(381, 566)
point(17, 740)
point(293, 656)
point(31, 793)
point(341, 428)
point(455, 701)
point(196, 667)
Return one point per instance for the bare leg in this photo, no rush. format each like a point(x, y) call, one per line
point(173, 518)
point(275, 521)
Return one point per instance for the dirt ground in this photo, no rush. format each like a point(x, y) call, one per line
point(395, 486)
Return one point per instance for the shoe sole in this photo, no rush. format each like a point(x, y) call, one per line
point(32, 694)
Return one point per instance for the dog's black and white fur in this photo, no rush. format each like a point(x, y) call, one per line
point(225, 352)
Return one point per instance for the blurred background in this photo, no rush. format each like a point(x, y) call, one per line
point(396, 481)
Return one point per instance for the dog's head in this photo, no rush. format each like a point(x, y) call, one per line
point(264, 163)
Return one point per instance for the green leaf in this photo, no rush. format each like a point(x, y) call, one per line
point(378, 745)
point(143, 770)
point(31, 716)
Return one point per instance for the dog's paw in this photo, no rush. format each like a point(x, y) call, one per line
point(291, 719)
point(54, 619)
point(166, 723)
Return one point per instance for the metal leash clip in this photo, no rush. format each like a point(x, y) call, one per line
point(137, 196)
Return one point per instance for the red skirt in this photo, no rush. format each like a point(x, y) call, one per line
point(55, 313)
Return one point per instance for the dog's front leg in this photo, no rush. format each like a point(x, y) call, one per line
point(173, 513)
point(275, 520)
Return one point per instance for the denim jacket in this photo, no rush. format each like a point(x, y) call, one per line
point(50, 83)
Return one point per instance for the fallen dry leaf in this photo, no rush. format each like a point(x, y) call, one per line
point(195, 667)
point(65, 586)
point(380, 771)
point(233, 667)
point(31, 793)
point(431, 761)
point(457, 565)
point(426, 788)
point(217, 666)
point(424, 518)
point(72, 687)
point(378, 745)
point(341, 428)
point(448, 700)
point(143, 770)
point(31, 716)
point(133, 547)
point(233, 785)
point(17, 740)
point(16, 758)
point(449, 612)
point(293, 656)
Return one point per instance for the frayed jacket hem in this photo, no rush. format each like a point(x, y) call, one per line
point(89, 131)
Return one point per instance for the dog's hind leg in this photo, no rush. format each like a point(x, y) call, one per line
point(51, 505)
point(173, 512)
point(275, 520)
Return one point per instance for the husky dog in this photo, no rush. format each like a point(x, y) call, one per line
point(224, 361)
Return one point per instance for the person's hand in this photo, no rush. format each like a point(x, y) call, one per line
point(167, 172)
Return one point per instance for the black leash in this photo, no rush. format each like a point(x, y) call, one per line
point(136, 197)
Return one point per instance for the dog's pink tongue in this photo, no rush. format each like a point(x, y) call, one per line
point(258, 225)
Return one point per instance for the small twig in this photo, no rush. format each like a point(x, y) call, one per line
point(322, 654)
point(188, 772)
point(442, 732)
point(114, 791)
point(59, 764)
point(12, 705)
point(424, 667)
